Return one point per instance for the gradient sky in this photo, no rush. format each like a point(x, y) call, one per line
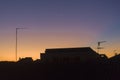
point(58, 24)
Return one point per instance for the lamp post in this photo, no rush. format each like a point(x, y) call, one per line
point(16, 52)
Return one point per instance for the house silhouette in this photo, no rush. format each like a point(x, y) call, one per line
point(70, 55)
point(115, 59)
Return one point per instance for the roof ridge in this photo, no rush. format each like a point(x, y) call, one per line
point(69, 48)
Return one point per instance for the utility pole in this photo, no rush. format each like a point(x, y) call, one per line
point(16, 52)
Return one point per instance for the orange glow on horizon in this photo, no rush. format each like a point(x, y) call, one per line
point(32, 42)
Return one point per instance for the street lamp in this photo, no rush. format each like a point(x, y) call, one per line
point(16, 41)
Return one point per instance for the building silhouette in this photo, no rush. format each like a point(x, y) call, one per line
point(25, 60)
point(71, 55)
point(115, 59)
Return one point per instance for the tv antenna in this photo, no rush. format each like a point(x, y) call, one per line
point(99, 45)
point(115, 52)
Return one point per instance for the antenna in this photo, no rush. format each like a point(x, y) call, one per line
point(115, 52)
point(99, 45)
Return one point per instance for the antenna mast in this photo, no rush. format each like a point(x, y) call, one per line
point(99, 46)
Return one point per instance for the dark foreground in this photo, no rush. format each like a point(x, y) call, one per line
point(40, 71)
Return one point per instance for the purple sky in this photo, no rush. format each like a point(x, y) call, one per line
point(58, 23)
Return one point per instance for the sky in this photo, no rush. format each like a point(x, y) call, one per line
point(58, 24)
